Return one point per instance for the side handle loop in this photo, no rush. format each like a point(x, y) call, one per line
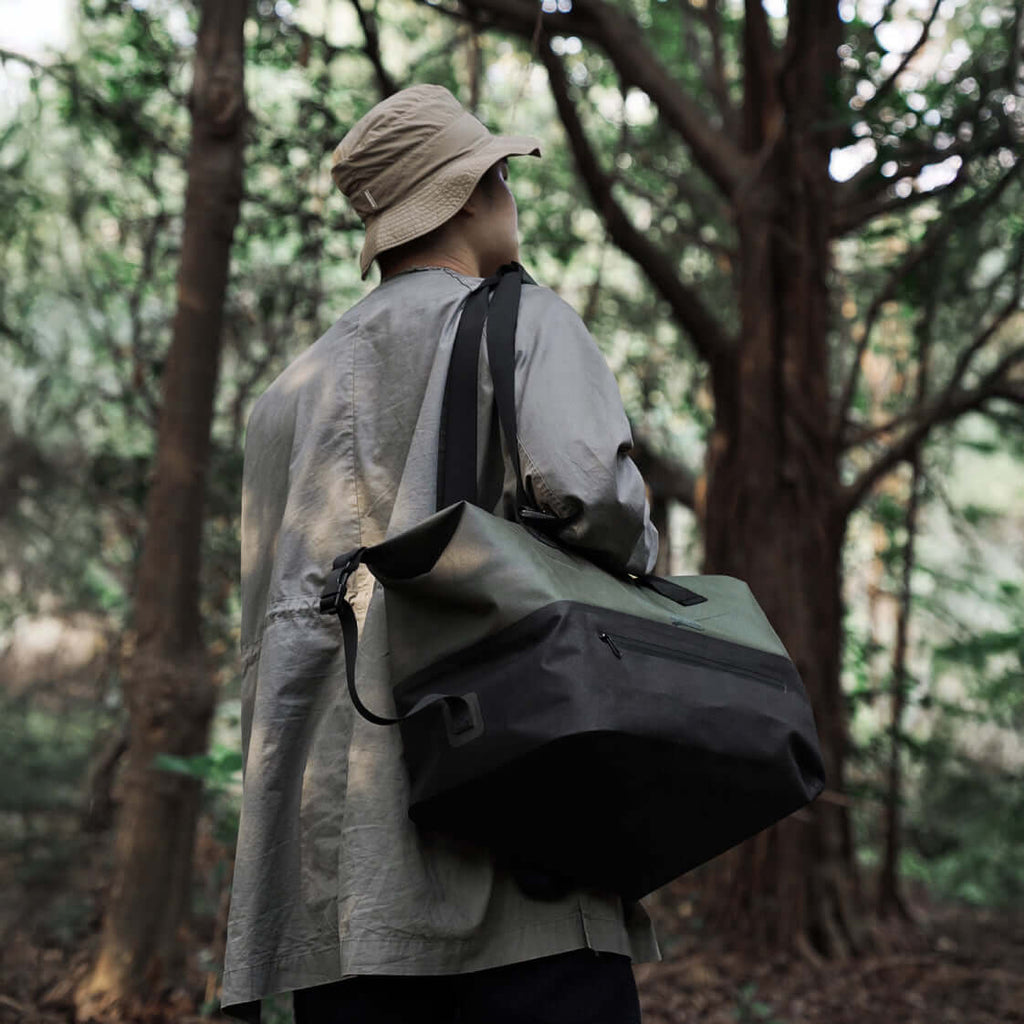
point(463, 721)
point(674, 592)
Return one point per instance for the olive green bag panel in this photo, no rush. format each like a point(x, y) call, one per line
point(474, 575)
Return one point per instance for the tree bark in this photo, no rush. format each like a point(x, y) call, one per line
point(773, 469)
point(168, 685)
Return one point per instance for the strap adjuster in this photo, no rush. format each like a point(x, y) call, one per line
point(336, 583)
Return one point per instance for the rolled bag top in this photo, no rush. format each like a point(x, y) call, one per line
point(425, 572)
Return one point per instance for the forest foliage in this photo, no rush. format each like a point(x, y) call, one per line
point(92, 148)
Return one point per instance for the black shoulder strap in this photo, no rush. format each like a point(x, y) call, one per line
point(456, 454)
point(501, 354)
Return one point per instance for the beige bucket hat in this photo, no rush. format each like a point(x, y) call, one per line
point(411, 162)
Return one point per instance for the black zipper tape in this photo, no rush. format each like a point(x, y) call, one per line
point(618, 643)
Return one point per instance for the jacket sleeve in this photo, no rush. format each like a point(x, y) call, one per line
point(574, 438)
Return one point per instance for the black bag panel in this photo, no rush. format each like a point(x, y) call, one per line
point(591, 725)
point(614, 812)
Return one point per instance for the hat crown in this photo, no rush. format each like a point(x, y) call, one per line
point(390, 131)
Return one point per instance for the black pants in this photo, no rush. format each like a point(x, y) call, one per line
point(581, 987)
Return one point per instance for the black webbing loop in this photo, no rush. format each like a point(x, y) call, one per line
point(672, 591)
point(350, 631)
point(462, 716)
point(333, 601)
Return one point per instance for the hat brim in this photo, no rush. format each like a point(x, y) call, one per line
point(439, 198)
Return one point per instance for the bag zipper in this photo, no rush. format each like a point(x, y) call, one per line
point(617, 643)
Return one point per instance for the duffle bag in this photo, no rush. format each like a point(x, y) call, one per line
point(602, 729)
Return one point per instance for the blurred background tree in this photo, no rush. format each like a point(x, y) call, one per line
point(167, 680)
point(753, 103)
point(794, 229)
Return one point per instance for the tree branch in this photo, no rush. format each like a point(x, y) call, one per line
point(20, 58)
point(687, 231)
point(890, 82)
point(981, 339)
point(666, 477)
point(328, 49)
point(1016, 50)
point(884, 16)
point(114, 113)
point(712, 69)
point(933, 239)
point(936, 236)
point(866, 185)
point(857, 200)
point(622, 39)
point(475, 67)
point(949, 405)
point(138, 384)
point(760, 88)
point(368, 23)
point(1011, 306)
point(849, 219)
point(704, 330)
point(717, 83)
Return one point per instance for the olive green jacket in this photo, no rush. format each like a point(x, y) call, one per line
point(331, 877)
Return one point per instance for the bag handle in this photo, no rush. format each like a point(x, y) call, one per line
point(462, 716)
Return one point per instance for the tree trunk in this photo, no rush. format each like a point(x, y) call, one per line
point(890, 898)
point(168, 685)
point(773, 471)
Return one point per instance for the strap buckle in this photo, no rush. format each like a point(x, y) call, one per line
point(336, 583)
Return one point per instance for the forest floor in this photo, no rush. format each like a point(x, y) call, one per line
point(953, 965)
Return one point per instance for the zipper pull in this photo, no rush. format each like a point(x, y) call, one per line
point(611, 643)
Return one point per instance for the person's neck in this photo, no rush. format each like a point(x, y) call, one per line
point(461, 262)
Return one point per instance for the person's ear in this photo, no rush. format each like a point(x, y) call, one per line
point(479, 200)
point(473, 205)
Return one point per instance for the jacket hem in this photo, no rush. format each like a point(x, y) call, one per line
point(380, 955)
